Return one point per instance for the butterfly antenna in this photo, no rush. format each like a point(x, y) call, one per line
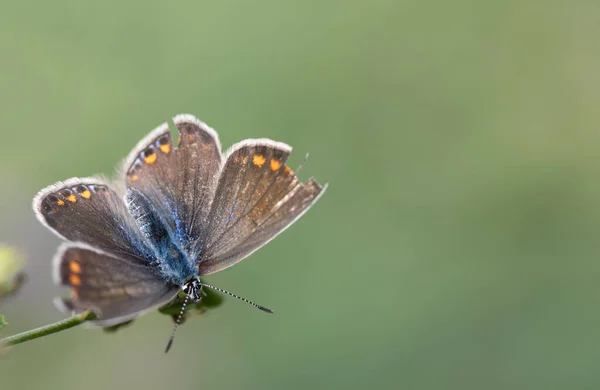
point(238, 297)
point(177, 322)
point(302, 164)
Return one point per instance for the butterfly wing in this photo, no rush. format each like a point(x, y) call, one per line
point(90, 211)
point(179, 182)
point(257, 198)
point(214, 212)
point(115, 289)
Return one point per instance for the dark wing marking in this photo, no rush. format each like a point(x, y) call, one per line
point(90, 211)
point(116, 290)
point(257, 198)
point(179, 182)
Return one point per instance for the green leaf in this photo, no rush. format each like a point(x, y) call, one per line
point(210, 301)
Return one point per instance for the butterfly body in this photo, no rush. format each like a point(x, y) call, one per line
point(173, 263)
point(186, 211)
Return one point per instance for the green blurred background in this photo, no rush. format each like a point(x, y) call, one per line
point(457, 246)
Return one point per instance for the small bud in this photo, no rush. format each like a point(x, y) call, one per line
point(12, 276)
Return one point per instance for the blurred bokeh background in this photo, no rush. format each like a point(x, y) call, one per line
point(457, 246)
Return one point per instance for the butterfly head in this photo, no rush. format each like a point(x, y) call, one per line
point(193, 289)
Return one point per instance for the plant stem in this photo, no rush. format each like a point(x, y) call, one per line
point(67, 323)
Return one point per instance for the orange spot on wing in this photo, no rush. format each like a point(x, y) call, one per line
point(288, 171)
point(86, 194)
point(275, 165)
point(60, 202)
point(134, 177)
point(258, 160)
point(150, 159)
point(75, 280)
point(166, 148)
point(74, 267)
point(71, 198)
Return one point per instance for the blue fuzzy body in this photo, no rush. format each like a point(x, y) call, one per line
point(162, 247)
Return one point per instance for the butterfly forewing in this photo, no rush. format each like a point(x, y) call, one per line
point(258, 196)
point(179, 181)
point(116, 290)
point(271, 224)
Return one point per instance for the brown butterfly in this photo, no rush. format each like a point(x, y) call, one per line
point(186, 211)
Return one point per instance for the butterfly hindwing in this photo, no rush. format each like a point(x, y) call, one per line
point(116, 290)
point(179, 181)
point(90, 211)
point(257, 198)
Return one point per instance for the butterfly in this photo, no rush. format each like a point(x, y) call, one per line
point(176, 213)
